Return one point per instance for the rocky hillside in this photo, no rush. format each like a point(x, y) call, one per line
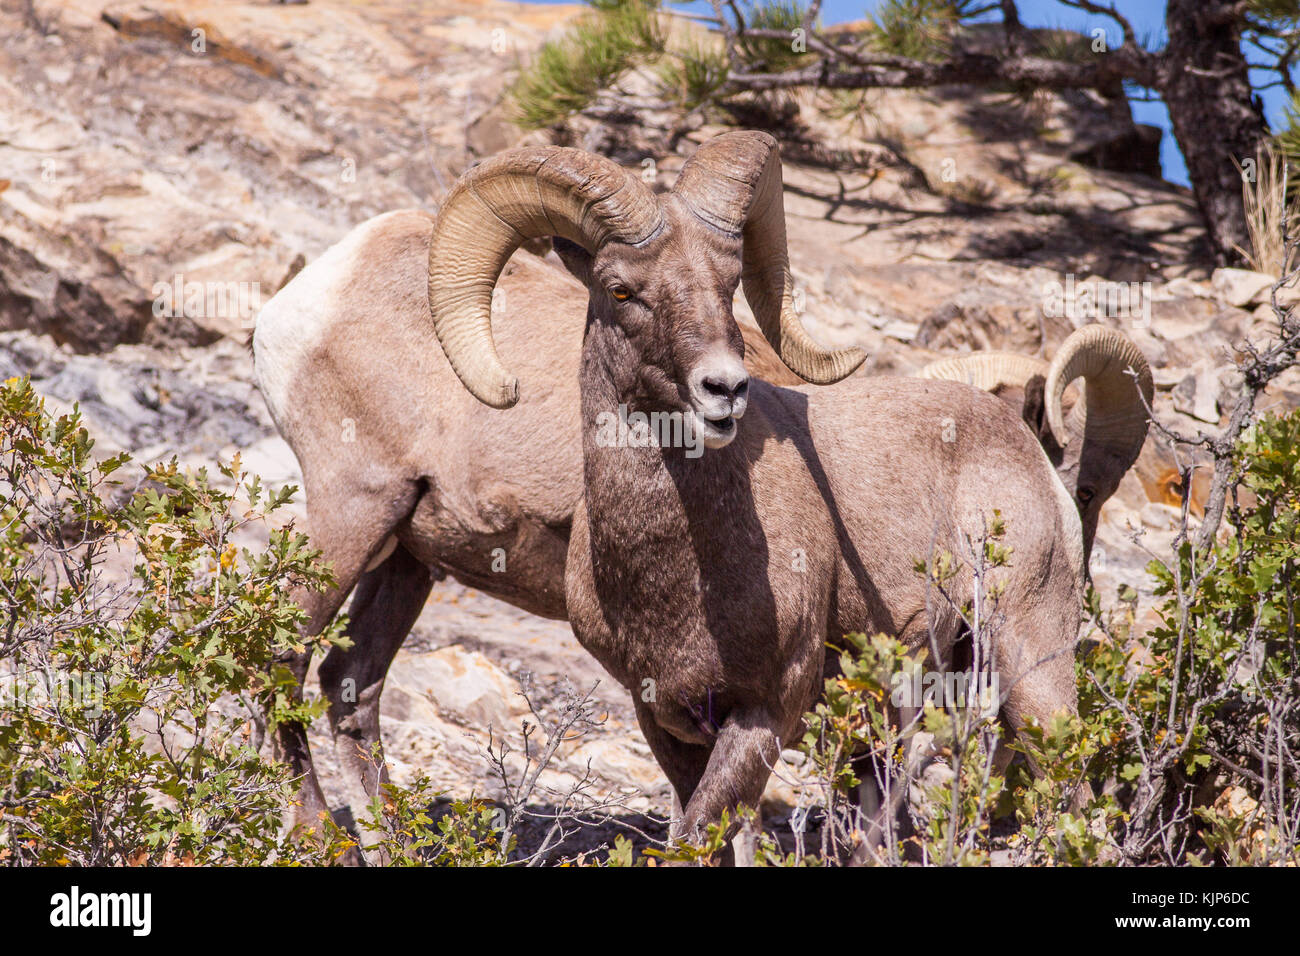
point(146, 147)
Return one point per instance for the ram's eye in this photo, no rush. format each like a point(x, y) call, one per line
point(620, 292)
point(1085, 495)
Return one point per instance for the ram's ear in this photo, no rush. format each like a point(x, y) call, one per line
point(575, 258)
point(1034, 411)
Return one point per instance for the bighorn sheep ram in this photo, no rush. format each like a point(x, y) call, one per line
point(1093, 442)
point(409, 483)
point(716, 582)
point(485, 480)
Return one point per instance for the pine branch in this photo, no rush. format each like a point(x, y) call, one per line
point(871, 71)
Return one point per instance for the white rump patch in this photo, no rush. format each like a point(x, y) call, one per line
point(296, 320)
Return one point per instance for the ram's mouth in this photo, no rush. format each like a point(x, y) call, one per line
point(716, 432)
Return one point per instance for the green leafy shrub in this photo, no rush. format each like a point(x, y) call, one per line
point(949, 811)
point(1203, 716)
point(131, 704)
point(403, 828)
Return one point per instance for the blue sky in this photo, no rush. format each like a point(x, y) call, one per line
point(1147, 17)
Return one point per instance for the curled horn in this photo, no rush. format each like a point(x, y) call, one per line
point(1114, 409)
point(493, 209)
point(733, 183)
point(986, 370)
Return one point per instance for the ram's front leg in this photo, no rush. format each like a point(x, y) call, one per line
point(746, 749)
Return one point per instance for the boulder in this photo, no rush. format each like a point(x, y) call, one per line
point(463, 685)
point(1240, 287)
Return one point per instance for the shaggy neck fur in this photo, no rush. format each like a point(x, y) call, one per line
point(675, 541)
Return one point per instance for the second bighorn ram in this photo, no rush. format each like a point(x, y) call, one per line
point(1093, 442)
point(717, 581)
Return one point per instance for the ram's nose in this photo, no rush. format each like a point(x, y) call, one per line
point(720, 386)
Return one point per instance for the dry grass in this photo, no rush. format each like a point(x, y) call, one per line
point(1265, 199)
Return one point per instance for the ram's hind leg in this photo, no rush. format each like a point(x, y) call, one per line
point(350, 524)
point(385, 606)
